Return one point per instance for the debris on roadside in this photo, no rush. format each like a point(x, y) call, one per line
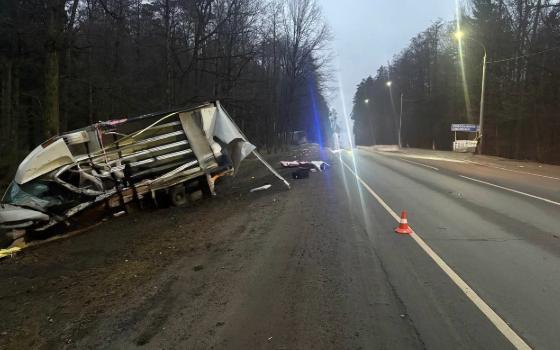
point(305, 167)
point(320, 165)
point(316, 164)
point(198, 267)
point(262, 188)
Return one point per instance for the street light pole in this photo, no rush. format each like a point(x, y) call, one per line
point(366, 101)
point(399, 131)
point(482, 90)
point(400, 122)
point(459, 35)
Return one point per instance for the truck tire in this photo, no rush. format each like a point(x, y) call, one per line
point(5, 239)
point(178, 196)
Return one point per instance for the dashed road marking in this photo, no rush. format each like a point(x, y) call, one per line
point(492, 316)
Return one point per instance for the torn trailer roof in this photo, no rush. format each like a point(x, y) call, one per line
point(119, 161)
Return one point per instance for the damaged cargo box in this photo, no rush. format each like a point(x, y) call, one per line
point(115, 162)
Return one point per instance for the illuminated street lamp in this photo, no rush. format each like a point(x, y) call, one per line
point(389, 84)
point(366, 101)
point(459, 35)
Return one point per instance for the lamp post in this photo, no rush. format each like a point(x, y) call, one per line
point(366, 101)
point(400, 122)
point(460, 35)
point(399, 136)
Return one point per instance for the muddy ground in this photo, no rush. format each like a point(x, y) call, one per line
point(276, 269)
point(126, 270)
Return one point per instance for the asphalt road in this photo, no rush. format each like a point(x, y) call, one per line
point(316, 267)
point(505, 245)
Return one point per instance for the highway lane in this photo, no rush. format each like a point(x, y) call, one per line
point(504, 245)
point(529, 182)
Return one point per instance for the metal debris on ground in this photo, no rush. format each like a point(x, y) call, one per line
point(316, 164)
point(262, 188)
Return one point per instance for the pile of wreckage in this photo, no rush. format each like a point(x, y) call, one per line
point(304, 167)
point(160, 156)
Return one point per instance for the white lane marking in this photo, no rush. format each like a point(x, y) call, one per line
point(511, 190)
point(424, 165)
point(414, 156)
point(513, 171)
point(492, 316)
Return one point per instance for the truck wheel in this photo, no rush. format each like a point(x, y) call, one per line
point(178, 196)
point(5, 239)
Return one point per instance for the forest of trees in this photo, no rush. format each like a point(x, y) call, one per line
point(522, 109)
point(68, 63)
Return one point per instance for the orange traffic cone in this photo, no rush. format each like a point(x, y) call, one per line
point(403, 228)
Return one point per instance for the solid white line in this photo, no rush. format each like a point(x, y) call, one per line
point(424, 165)
point(513, 171)
point(492, 316)
point(511, 190)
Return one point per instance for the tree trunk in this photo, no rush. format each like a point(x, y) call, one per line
point(51, 103)
point(6, 108)
point(68, 66)
point(168, 72)
point(51, 110)
point(14, 123)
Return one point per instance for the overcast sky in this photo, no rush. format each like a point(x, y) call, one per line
point(367, 33)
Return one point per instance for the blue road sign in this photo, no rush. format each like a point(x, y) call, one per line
point(465, 127)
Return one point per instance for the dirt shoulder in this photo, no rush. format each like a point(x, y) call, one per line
point(54, 295)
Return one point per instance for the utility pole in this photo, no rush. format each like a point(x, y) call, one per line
point(459, 35)
point(399, 127)
point(367, 102)
point(482, 89)
point(400, 122)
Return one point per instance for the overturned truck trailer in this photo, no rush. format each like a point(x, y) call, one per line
point(163, 156)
